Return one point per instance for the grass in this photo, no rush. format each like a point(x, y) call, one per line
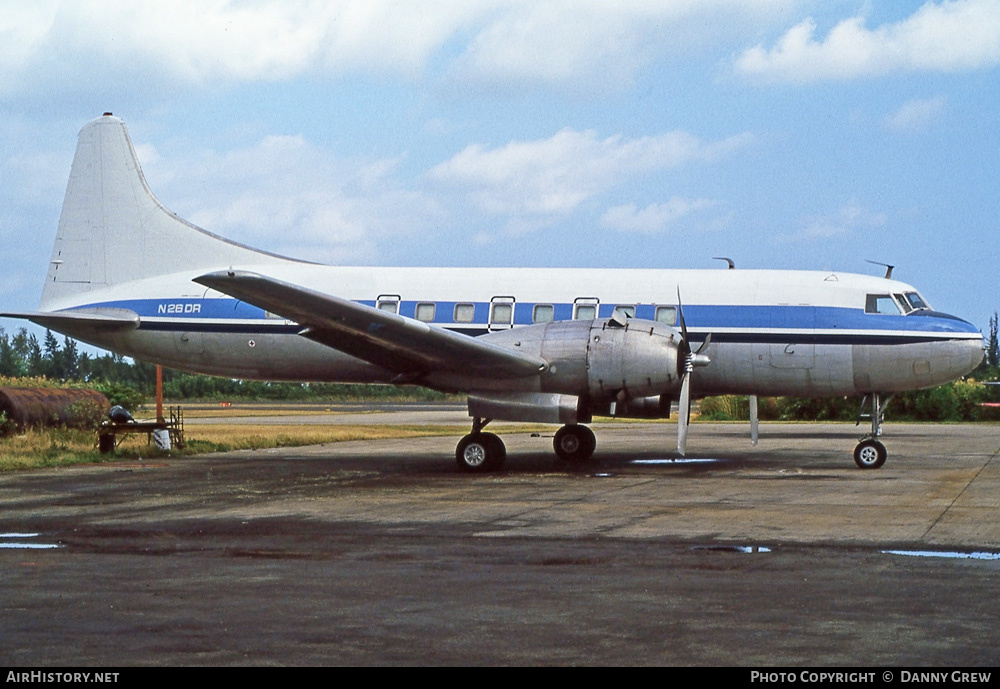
point(65, 447)
point(51, 447)
point(228, 437)
point(55, 447)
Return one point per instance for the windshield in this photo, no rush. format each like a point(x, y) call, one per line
point(916, 301)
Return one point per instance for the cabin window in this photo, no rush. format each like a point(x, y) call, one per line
point(465, 313)
point(388, 303)
point(623, 312)
point(585, 312)
point(542, 313)
point(424, 312)
point(881, 303)
point(502, 313)
point(666, 315)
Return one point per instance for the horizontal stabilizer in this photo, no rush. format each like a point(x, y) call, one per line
point(406, 346)
point(79, 323)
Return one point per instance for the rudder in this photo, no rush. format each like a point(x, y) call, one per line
point(113, 229)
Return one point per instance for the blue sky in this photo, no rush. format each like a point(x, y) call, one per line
point(781, 133)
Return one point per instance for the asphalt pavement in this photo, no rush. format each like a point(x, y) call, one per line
point(384, 553)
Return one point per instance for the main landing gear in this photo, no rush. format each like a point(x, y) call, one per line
point(870, 453)
point(482, 452)
point(574, 443)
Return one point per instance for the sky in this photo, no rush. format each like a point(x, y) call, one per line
point(787, 134)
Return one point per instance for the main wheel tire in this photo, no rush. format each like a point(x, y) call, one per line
point(574, 443)
point(869, 454)
point(479, 452)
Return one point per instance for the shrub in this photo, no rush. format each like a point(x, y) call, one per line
point(121, 394)
point(737, 408)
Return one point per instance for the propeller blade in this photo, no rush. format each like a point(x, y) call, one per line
point(680, 318)
point(754, 419)
point(691, 358)
point(683, 413)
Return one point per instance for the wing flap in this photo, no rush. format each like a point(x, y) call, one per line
point(403, 345)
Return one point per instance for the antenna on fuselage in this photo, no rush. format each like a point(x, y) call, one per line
point(732, 266)
point(888, 268)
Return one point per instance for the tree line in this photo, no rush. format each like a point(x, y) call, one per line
point(132, 383)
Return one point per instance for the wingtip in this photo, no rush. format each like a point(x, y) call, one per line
point(221, 276)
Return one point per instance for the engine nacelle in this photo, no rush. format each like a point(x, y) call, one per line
point(635, 360)
point(655, 407)
point(606, 363)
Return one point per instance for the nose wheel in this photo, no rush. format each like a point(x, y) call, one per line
point(869, 454)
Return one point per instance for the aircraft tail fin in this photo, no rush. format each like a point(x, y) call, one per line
point(113, 229)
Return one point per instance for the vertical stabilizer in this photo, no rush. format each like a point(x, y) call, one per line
point(113, 230)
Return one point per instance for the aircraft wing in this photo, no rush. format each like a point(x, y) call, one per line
point(404, 345)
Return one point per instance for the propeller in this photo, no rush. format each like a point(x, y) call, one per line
point(690, 360)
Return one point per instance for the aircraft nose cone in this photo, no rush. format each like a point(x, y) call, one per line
point(975, 351)
point(965, 354)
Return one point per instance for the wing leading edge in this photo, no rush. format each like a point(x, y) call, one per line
point(408, 347)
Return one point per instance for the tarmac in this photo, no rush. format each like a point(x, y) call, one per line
point(385, 553)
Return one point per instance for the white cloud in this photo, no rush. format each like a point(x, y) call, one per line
point(653, 218)
point(841, 223)
point(287, 196)
point(23, 31)
point(204, 41)
point(553, 176)
point(915, 114)
point(560, 41)
point(598, 44)
point(948, 36)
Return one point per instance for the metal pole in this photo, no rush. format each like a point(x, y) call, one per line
point(159, 394)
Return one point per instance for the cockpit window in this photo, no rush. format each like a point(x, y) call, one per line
point(916, 301)
point(903, 304)
point(881, 303)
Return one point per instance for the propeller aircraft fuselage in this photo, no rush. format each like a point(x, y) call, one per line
point(551, 345)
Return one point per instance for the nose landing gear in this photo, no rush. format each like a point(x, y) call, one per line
point(870, 453)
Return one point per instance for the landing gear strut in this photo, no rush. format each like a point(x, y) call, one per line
point(574, 443)
point(480, 451)
point(870, 453)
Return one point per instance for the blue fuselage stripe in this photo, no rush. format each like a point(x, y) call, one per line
point(727, 323)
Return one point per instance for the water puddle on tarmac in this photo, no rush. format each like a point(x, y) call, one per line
point(733, 548)
point(679, 460)
point(20, 542)
point(982, 555)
